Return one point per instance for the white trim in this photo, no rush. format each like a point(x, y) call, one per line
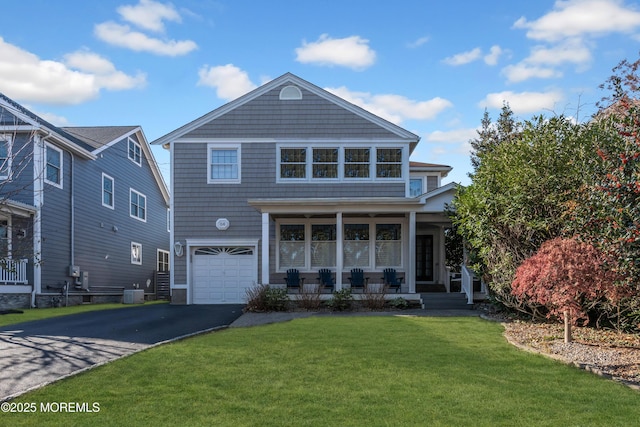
point(113, 191)
point(131, 190)
point(135, 144)
point(6, 139)
point(341, 146)
point(265, 248)
point(135, 260)
point(46, 164)
point(226, 147)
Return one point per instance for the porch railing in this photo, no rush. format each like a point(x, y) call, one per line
point(467, 283)
point(13, 271)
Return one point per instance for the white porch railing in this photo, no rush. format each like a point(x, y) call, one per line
point(13, 271)
point(466, 285)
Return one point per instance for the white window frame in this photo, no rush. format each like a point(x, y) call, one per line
point(136, 157)
point(46, 165)
point(106, 177)
point(423, 180)
point(136, 260)
point(224, 147)
point(7, 140)
point(373, 155)
point(139, 195)
point(168, 256)
point(371, 222)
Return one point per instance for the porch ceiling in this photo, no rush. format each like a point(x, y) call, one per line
point(14, 207)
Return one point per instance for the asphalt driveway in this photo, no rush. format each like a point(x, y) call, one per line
point(36, 353)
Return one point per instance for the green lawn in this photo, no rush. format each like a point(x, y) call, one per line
point(340, 371)
point(44, 313)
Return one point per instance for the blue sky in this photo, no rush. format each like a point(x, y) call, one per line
point(431, 67)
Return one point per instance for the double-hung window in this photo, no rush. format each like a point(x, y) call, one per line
point(388, 245)
point(136, 253)
point(138, 204)
point(293, 163)
point(325, 163)
point(53, 168)
point(224, 164)
point(323, 245)
point(107, 191)
point(5, 157)
point(135, 152)
point(356, 245)
point(357, 162)
point(388, 163)
point(292, 246)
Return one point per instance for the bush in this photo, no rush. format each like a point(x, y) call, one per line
point(342, 300)
point(399, 303)
point(265, 298)
point(373, 298)
point(309, 297)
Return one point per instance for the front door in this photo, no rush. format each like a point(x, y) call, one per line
point(424, 258)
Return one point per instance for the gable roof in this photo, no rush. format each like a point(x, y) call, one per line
point(289, 79)
point(24, 119)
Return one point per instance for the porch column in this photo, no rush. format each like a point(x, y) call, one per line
point(339, 249)
point(411, 265)
point(265, 248)
point(442, 258)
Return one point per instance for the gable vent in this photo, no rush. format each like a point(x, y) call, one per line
point(290, 92)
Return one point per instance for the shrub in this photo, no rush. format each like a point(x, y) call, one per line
point(399, 303)
point(265, 298)
point(373, 297)
point(342, 300)
point(309, 298)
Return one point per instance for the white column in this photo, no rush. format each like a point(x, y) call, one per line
point(339, 249)
point(411, 264)
point(265, 248)
point(442, 258)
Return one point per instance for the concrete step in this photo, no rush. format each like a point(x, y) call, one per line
point(444, 301)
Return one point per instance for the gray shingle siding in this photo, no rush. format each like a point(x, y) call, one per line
point(311, 117)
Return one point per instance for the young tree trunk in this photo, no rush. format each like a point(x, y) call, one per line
point(567, 327)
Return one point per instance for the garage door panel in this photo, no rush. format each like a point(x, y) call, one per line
point(223, 274)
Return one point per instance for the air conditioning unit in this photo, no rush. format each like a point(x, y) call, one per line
point(133, 296)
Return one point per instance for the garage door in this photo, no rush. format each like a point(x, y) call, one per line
point(222, 274)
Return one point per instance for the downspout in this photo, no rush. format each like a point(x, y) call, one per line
point(38, 202)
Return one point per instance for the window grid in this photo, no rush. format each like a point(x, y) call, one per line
point(136, 253)
point(53, 171)
point(325, 162)
point(293, 163)
point(5, 157)
point(138, 205)
point(135, 152)
point(107, 191)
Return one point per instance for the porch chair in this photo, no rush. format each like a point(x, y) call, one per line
point(357, 279)
point(293, 279)
point(391, 279)
point(326, 278)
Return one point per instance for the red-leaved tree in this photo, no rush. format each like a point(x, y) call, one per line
point(565, 275)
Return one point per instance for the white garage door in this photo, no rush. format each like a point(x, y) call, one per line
point(222, 274)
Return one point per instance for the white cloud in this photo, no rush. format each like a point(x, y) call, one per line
point(419, 42)
point(394, 108)
point(453, 136)
point(124, 36)
point(464, 57)
point(523, 71)
point(26, 77)
point(494, 54)
point(351, 52)
point(149, 15)
point(229, 81)
point(571, 51)
point(578, 18)
point(523, 102)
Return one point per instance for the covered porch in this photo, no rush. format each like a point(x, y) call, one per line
point(343, 234)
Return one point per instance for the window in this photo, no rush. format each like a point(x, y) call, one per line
point(5, 157)
point(5, 238)
point(107, 191)
point(53, 172)
point(356, 245)
point(293, 163)
point(135, 152)
point(323, 245)
point(388, 245)
point(356, 162)
point(318, 164)
point(138, 203)
point(415, 187)
point(163, 260)
point(292, 246)
point(224, 164)
point(136, 253)
point(325, 163)
point(389, 163)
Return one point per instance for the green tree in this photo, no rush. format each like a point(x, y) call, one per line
point(506, 129)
